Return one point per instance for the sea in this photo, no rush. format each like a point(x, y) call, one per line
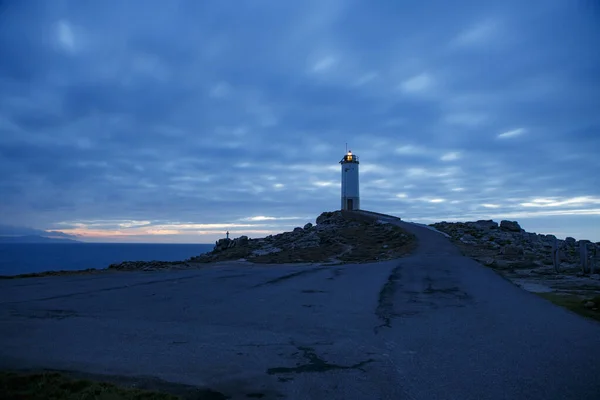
point(24, 258)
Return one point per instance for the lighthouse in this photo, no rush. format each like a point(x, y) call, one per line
point(350, 192)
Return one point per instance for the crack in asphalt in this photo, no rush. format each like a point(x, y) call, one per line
point(290, 276)
point(315, 364)
point(385, 303)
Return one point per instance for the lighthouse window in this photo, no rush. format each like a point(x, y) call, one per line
point(349, 157)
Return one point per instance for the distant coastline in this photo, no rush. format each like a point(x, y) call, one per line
point(34, 239)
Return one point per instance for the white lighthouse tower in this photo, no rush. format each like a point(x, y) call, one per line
point(350, 192)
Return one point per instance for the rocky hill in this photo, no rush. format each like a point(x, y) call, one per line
point(526, 259)
point(507, 245)
point(337, 237)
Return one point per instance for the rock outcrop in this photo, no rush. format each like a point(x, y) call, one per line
point(507, 241)
point(510, 226)
point(223, 244)
point(336, 237)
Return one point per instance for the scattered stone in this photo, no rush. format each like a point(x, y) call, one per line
point(468, 239)
point(486, 224)
point(511, 226)
point(589, 304)
point(512, 250)
point(266, 250)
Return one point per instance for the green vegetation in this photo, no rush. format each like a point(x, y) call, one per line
point(574, 303)
point(56, 386)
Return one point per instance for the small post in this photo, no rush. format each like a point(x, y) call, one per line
point(583, 256)
point(555, 256)
point(594, 260)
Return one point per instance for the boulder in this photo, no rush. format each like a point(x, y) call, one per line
point(298, 229)
point(589, 304)
point(468, 239)
point(308, 226)
point(222, 244)
point(570, 241)
point(485, 224)
point(330, 218)
point(307, 241)
point(510, 226)
point(512, 250)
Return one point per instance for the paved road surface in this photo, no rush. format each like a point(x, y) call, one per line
point(434, 325)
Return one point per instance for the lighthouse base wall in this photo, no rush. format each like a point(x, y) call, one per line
point(350, 203)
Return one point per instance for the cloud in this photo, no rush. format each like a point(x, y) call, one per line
point(479, 34)
point(65, 36)
point(220, 90)
point(142, 121)
point(451, 156)
point(266, 218)
point(366, 78)
point(557, 202)
point(490, 205)
point(417, 84)
point(324, 64)
point(410, 150)
point(468, 119)
point(511, 133)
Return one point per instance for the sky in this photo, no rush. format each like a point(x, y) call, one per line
point(175, 121)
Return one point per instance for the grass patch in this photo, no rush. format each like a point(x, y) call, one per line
point(55, 386)
point(574, 303)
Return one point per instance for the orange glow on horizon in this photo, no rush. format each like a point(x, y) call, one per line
point(82, 233)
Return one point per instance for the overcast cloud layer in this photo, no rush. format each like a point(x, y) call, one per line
point(174, 121)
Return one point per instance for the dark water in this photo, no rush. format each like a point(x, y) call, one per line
point(21, 258)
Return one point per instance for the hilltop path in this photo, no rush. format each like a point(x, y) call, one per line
point(433, 325)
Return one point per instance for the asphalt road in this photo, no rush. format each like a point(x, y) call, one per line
point(434, 325)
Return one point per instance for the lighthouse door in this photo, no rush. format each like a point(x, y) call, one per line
point(350, 204)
